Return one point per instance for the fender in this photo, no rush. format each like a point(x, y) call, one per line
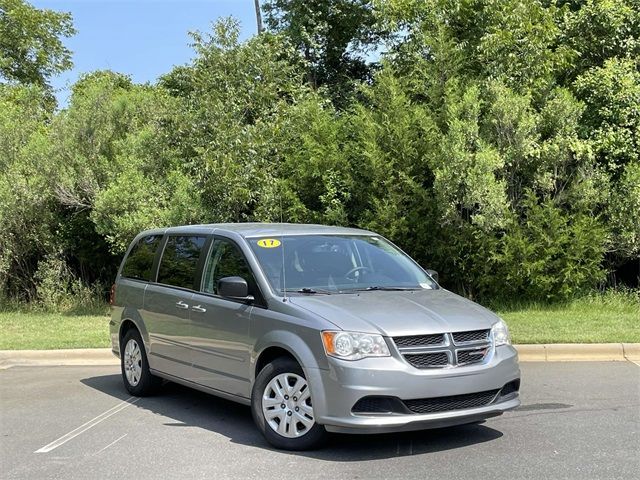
point(300, 350)
point(132, 315)
point(290, 342)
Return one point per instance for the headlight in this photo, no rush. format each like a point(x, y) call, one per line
point(354, 346)
point(500, 334)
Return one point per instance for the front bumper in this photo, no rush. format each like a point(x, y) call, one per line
point(337, 390)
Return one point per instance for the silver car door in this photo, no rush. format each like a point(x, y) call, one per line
point(220, 326)
point(167, 304)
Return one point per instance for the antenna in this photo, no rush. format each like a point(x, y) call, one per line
point(284, 275)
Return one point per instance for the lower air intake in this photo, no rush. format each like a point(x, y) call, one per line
point(454, 402)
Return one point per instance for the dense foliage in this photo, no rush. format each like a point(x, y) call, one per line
point(30, 46)
point(496, 141)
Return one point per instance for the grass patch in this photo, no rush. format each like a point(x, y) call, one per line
point(598, 318)
point(31, 329)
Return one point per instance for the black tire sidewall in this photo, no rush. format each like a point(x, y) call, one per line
point(313, 439)
point(148, 383)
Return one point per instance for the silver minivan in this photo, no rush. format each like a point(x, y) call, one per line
point(319, 329)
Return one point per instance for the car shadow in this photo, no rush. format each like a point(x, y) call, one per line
point(186, 407)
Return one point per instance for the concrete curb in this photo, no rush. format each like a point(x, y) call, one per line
point(579, 352)
point(560, 352)
point(77, 356)
point(631, 351)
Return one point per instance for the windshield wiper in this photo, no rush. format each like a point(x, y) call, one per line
point(381, 287)
point(307, 290)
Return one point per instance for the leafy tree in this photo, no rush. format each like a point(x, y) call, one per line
point(26, 210)
point(31, 49)
point(623, 213)
point(234, 99)
point(548, 254)
point(597, 30)
point(112, 161)
point(512, 135)
point(612, 117)
point(334, 36)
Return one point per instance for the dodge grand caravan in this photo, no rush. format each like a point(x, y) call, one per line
point(317, 328)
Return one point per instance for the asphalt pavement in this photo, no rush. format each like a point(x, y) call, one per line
point(578, 420)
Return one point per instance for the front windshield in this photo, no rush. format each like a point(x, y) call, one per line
point(336, 264)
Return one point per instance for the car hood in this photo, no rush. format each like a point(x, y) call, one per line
point(395, 313)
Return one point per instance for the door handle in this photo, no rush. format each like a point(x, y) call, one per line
point(182, 305)
point(198, 308)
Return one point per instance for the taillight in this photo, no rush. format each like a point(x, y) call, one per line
point(112, 294)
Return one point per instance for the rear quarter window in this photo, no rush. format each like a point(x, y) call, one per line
point(139, 263)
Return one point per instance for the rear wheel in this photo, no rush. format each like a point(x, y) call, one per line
point(282, 407)
point(137, 378)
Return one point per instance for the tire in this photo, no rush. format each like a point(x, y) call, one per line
point(297, 426)
point(134, 366)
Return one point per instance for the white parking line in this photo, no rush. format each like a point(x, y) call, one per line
point(637, 363)
point(86, 426)
point(111, 444)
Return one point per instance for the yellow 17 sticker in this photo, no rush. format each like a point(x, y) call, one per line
point(268, 243)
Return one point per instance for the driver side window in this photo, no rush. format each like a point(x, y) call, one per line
point(226, 260)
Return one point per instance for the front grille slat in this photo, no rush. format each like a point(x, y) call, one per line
point(455, 402)
point(419, 340)
point(428, 360)
point(471, 336)
point(443, 350)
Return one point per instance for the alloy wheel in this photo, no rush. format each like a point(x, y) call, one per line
point(132, 362)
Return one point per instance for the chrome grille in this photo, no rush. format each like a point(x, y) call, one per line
point(454, 402)
point(444, 350)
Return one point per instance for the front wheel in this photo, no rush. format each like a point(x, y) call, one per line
point(282, 407)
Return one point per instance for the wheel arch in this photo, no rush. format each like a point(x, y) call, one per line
point(282, 343)
point(269, 354)
point(131, 319)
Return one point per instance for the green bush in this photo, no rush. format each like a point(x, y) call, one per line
point(58, 289)
point(548, 255)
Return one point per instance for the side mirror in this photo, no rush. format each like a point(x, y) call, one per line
point(235, 288)
point(433, 274)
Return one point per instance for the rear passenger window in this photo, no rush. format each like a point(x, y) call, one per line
point(140, 260)
point(180, 260)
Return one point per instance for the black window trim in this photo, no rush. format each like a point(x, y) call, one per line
point(259, 300)
point(156, 261)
